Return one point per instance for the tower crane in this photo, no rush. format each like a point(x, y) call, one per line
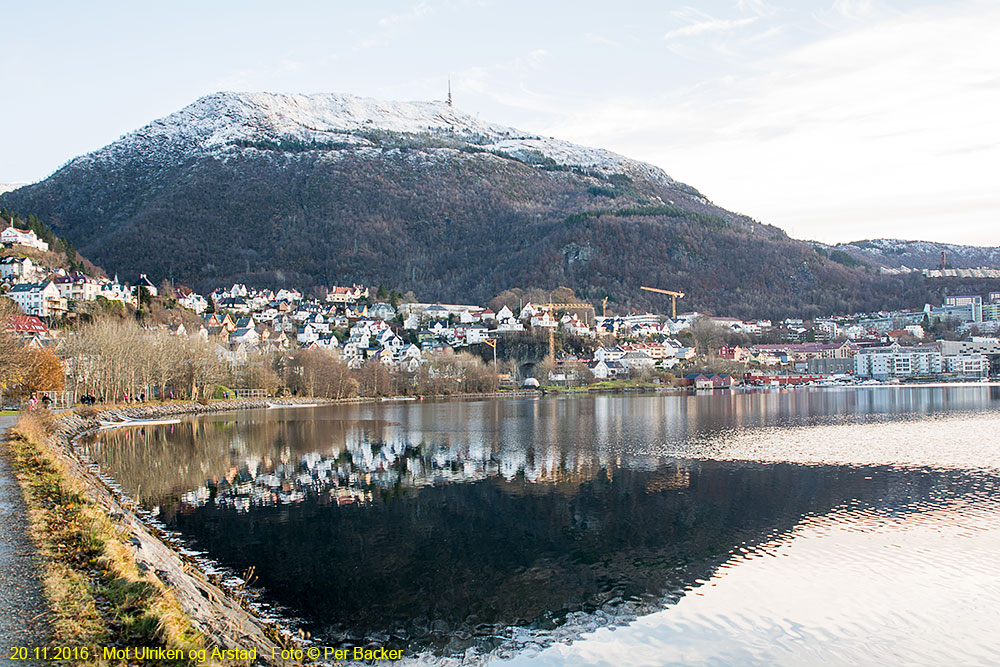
point(673, 298)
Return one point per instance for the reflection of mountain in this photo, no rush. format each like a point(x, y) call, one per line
point(454, 566)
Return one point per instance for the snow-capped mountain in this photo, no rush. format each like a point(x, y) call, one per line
point(284, 189)
point(229, 122)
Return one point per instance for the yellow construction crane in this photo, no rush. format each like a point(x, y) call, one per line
point(492, 342)
point(563, 306)
point(673, 298)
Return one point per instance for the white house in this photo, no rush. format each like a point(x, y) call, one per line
point(112, 290)
point(148, 286)
point(968, 365)
point(509, 324)
point(307, 334)
point(476, 334)
point(638, 359)
point(575, 326)
point(543, 319)
point(194, 301)
point(77, 287)
point(246, 336)
point(608, 354)
point(17, 269)
point(27, 237)
point(41, 299)
point(896, 361)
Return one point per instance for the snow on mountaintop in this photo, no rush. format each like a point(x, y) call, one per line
point(220, 121)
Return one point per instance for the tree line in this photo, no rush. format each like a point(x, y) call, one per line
point(118, 359)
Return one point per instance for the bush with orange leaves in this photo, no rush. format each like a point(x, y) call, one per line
point(43, 370)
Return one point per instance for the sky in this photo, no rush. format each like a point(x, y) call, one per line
point(836, 120)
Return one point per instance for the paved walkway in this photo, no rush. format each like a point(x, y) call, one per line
point(22, 606)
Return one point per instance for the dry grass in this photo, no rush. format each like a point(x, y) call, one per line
point(97, 594)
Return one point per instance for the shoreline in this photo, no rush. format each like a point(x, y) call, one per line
point(213, 609)
point(223, 619)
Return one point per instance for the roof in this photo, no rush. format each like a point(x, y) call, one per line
point(25, 287)
point(26, 324)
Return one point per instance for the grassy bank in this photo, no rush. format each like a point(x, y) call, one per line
point(97, 593)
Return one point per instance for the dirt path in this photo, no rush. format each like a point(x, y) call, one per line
point(22, 607)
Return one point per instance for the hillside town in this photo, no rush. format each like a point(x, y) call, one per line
point(571, 344)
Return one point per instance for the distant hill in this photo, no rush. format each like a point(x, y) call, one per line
point(894, 253)
point(276, 189)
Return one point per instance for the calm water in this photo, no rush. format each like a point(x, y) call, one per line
point(846, 526)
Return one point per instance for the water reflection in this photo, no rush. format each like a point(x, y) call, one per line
point(480, 528)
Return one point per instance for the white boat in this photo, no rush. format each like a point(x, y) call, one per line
point(292, 405)
point(398, 398)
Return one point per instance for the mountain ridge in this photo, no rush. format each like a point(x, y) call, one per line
point(916, 254)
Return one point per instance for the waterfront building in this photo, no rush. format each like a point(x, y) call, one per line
point(968, 365)
point(896, 361)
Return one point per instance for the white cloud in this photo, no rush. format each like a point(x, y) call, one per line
point(414, 12)
point(844, 138)
point(854, 8)
point(600, 39)
point(709, 26)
